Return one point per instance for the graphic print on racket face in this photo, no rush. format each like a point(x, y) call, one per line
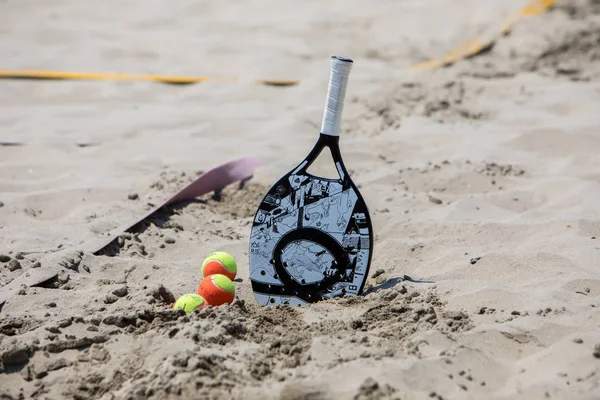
point(312, 237)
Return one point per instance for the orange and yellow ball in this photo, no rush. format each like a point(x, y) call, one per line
point(216, 289)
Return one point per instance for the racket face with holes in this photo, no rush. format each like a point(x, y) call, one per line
point(312, 237)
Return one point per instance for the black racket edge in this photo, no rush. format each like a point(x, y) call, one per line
point(332, 142)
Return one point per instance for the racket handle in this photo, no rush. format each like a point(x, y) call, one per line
point(338, 80)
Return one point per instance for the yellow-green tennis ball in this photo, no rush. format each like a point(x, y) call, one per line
point(217, 289)
point(189, 302)
point(219, 262)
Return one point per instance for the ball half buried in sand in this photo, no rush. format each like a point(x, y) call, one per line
point(189, 302)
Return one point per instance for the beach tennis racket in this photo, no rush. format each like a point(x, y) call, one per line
point(312, 238)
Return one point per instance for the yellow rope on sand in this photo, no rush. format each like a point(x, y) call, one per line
point(179, 80)
point(485, 40)
point(473, 47)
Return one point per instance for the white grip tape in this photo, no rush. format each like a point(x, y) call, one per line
point(338, 80)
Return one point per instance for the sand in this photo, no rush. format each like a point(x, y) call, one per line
point(482, 180)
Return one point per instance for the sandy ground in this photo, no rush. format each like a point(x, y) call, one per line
point(482, 178)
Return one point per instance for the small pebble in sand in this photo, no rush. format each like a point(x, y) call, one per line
point(133, 196)
point(474, 260)
point(14, 265)
point(377, 273)
point(163, 294)
point(52, 329)
point(64, 323)
point(1, 204)
point(40, 375)
point(169, 240)
point(121, 291)
point(515, 313)
point(597, 350)
point(4, 258)
point(19, 256)
point(36, 264)
point(435, 200)
point(110, 298)
point(578, 340)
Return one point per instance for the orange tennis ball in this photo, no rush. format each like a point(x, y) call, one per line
point(219, 262)
point(217, 289)
point(214, 267)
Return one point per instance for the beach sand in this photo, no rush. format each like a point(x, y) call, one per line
point(482, 179)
